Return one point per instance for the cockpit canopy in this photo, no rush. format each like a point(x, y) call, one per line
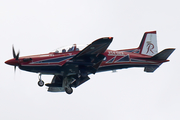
point(70, 48)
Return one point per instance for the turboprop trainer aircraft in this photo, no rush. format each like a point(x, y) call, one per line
point(71, 66)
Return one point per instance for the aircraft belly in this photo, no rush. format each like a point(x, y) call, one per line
point(122, 66)
point(42, 69)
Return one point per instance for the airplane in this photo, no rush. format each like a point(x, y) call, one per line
point(72, 65)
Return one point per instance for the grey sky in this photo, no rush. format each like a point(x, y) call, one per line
point(39, 26)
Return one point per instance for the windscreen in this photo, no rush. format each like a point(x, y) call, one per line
point(69, 48)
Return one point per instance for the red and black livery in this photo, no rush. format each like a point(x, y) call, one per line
point(72, 66)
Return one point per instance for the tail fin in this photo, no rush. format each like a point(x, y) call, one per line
point(148, 45)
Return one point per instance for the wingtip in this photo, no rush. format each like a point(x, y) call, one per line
point(106, 38)
point(110, 37)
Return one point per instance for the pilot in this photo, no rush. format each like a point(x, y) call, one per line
point(63, 50)
point(70, 49)
point(77, 49)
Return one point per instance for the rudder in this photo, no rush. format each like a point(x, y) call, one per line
point(148, 45)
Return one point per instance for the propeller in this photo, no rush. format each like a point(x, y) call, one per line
point(16, 56)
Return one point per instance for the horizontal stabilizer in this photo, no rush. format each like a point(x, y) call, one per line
point(163, 55)
point(151, 68)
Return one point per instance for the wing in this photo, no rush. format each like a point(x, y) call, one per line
point(90, 57)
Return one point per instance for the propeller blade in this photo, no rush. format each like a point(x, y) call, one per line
point(14, 54)
point(15, 68)
point(17, 56)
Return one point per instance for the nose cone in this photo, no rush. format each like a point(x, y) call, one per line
point(12, 62)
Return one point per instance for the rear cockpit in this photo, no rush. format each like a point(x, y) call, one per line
point(70, 48)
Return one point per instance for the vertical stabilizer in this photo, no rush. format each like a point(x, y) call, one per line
point(148, 45)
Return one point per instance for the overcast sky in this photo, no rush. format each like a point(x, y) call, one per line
point(39, 26)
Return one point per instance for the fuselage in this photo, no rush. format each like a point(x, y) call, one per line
point(71, 65)
point(52, 62)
